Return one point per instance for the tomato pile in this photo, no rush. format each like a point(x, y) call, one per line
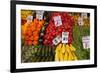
point(52, 31)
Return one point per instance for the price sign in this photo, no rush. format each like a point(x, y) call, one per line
point(80, 21)
point(86, 42)
point(39, 14)
point(65, 37)
point(56, 40)
point(84, 15)
point(29, 19)
point(57, 20)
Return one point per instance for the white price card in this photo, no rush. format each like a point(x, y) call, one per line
point(80, 21)
point(29, 19)
point(65, 36)
point(39, 14)
point(84, 15)
point(57, 20)
point(56, 40)
point(86, 42)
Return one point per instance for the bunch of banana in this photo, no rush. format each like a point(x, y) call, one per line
point(65, 52)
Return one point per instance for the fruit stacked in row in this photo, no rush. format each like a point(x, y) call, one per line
point(37, 53)
point(27, 52)
point(65, 52)
point(45, 51)
point(31, 31)
point(52, 31)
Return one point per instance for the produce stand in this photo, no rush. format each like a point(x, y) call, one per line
point(43, 51)
point(52, 36)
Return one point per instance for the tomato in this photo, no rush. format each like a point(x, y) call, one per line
point(52, 31)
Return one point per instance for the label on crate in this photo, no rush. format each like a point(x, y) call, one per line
point(39, 14)
point(57, 20)
point(29, 19)
point(84, 15)
point(86, 42)
point(65, 37)
point(56, 40)
point(80, 21)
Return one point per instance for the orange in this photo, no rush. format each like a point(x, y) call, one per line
point(29, 33)
point(33, 28)
point(39, 26)
point(31, 38)
point(35, 42)
point(36, 21)
point(38, 29)
point(35, 33)
point(27, 38)
point(29, 42)
point(41, 22)
point(36, 37)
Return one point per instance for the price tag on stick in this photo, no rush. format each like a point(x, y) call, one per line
point(29, 19)
point(84, 15)
point(57, 20)
point(86, 42)
point(80, 21)
point(56, 40)
point(65, 37)
point(39, 14)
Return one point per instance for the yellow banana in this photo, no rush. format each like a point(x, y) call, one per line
point(72, 48)
point(73, 51)
point(70, 53)
point(57, 51)
point(64, 52)
point(63, 48)
point(75, 57)
point(61, 56)
point(66, 56)
point(58, 47)
point(57, 58)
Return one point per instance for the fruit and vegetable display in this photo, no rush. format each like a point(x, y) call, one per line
point(54, 36)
